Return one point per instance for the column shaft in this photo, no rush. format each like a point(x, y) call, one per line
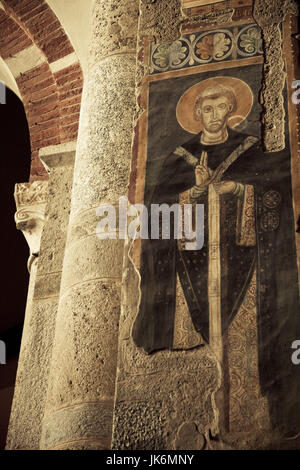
point(79, 407)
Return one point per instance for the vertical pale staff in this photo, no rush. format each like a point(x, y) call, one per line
point(214, 274)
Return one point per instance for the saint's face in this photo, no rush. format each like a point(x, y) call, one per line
point(214, 112)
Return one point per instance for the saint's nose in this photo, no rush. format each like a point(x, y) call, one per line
point(215, 113)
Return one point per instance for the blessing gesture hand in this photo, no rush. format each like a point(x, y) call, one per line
point(202, 172)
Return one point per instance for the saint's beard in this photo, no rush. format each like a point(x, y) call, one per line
point(214, 127)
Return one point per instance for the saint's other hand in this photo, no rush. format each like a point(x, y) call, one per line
point(225, 187)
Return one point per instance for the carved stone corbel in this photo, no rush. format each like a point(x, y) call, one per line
point(31, 199)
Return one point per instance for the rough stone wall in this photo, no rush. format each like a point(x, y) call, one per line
point(269, 16)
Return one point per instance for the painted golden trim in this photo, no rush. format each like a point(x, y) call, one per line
point(204, 68)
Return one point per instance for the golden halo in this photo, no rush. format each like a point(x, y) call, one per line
point(185, 106)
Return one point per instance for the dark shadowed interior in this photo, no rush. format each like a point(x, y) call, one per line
point(15, 168)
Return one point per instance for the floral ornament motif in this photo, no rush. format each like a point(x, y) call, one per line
point(250, 41)
point(213, 46)
point(221, 45)
point(205, 48)
point(272, 199)
point(170, 55)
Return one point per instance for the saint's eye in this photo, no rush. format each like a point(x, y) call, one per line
point(222, 106)
point(207, 109)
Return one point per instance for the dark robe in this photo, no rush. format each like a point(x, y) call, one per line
point(273, 256)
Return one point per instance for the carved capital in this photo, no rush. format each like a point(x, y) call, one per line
point(31, 199)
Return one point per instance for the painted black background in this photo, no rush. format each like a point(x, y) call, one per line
point(164, 131)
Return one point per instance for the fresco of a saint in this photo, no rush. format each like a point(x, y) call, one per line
point(249, 234)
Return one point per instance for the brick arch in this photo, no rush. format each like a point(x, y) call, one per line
point(41, 57)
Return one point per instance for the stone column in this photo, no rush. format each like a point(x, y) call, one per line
point(78, 413)
point(42, 215)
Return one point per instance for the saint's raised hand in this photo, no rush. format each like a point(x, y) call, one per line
point(202, 172)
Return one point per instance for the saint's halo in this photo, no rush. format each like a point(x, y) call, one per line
point(185, 106)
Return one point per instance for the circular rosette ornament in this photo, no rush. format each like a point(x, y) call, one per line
point(270, 221)
point(170, 56)
point(210, 47)
point(272, 199)
point(249, 41)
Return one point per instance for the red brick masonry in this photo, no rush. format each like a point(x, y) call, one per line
point(51, 100)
